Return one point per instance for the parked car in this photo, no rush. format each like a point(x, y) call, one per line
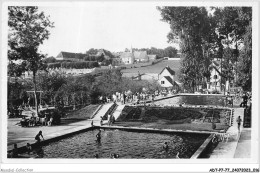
point(51, 113)
point(30, 118)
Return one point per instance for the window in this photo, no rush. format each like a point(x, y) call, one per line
point(215, 76)
point(162, 82)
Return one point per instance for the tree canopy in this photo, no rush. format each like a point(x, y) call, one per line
point(28, 28)
point(207, 34)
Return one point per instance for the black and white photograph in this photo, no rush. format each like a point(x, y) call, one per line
point(128, 82)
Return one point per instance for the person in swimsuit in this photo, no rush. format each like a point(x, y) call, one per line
point(239, 120)
point(166, 146)
point(28, 148)
point(98, 136)
point(37, 137)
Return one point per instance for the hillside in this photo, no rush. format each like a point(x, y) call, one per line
point(156, 68)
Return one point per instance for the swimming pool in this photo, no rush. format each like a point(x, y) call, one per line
point(216, 100)
point(128, 145)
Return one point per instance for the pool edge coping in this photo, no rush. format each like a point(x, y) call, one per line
point(202, 148)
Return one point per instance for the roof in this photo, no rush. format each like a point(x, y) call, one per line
point(126, 55)
point(72, 55)
point(169, 79)
point(216, 63)
point(140, 55)
point(172, 72)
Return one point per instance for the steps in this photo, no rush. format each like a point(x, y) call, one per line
point(103, 111)
point(117, 112)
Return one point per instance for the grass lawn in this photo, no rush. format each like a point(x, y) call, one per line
point(83, 113)
point(156, 68)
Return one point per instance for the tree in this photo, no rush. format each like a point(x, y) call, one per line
point(245, 62)
point(50, 84)
point(109, 82)
point(192, 27)
point(49, 60)
point(232, 23)
point(28, 28)
point(170, 52)
point(92, 51)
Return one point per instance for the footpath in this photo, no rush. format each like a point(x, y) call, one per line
point(238, 144)
point(23, 135)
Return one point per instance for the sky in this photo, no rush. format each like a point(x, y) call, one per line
point(79, 27)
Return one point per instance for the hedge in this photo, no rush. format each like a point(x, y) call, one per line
point(76, 65)
point(54, 65)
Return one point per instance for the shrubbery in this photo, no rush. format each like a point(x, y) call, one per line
point(94, 58)
point(54, 65)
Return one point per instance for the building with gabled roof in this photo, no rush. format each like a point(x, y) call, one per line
point(167, 71)
point(134, 56)
point(215, 77)
point(127, 57)
point(166, 78)
point(70, 56)
point(141, 56)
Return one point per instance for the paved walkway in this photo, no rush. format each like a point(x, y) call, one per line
point(22, 135)
point(232, 147)
point(243, 149)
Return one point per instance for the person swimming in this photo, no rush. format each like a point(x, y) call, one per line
point(177, 155)
point(114, 156)
point(166, 146)
point(98, 136)
point(28, 148)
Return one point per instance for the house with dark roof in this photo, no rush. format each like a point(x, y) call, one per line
point(167, 78)
point(70, 56)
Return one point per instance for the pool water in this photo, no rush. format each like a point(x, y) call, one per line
point(194, 100)
point(125, 144)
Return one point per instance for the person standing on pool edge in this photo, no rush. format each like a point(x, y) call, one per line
point(239, 120)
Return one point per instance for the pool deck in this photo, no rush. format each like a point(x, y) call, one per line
point(237, 146)
point(23, 135)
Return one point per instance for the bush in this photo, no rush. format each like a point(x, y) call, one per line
point(49, 60)
point(86, 58)
point(80, 65)
point(54, 65)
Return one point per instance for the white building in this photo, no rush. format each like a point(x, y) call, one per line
point(167, 78)
point(134, 56)
point(215, 77)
